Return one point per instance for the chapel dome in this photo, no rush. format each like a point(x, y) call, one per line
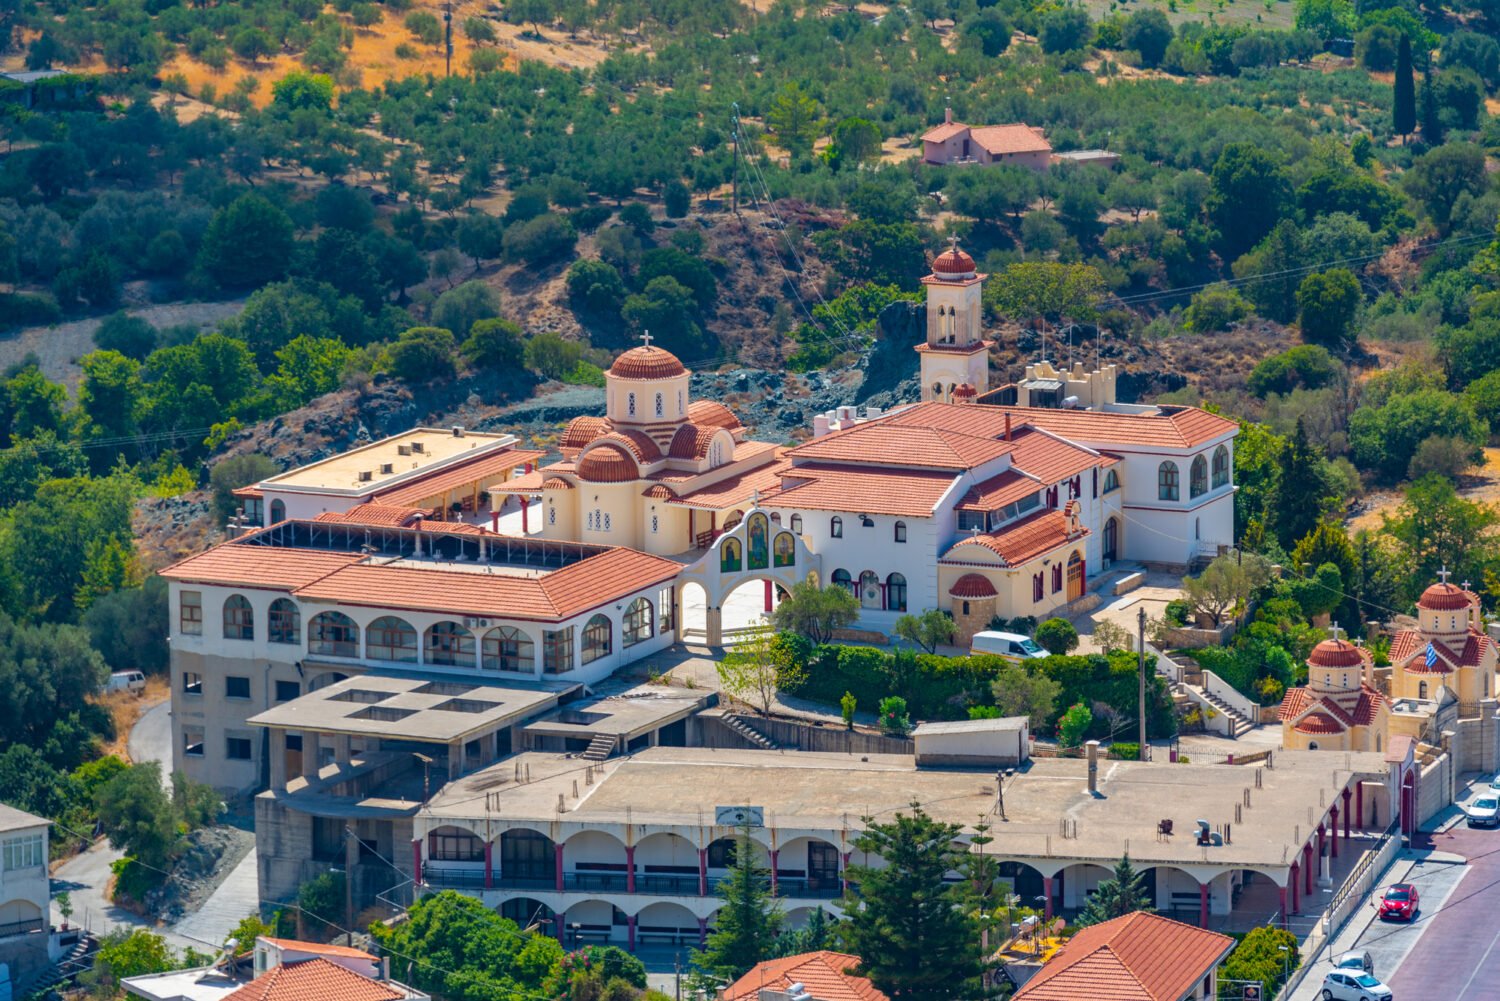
point(1335, 653)
point(647, 362)
point(972, 585)
point(953, 263)
point(608, 463)
point(1444, 598)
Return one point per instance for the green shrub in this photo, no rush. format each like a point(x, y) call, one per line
point(893, 716)
point(1125, 751)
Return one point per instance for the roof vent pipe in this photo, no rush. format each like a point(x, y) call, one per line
point(1093, 748)
point(1007, 427)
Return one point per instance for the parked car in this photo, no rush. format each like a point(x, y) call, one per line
point(1399, 902)
point(1483, 811)
point(126, 681)
point(1348, 985)
point(1012, 646)
point(1495, 783)
point(1360, 960)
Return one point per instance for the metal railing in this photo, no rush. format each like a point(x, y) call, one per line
point(448, 877)
point(20, 927)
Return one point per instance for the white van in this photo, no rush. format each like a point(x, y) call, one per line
point(126, 681)
point(1012, 646)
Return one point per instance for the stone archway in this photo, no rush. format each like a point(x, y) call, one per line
point(755, 549)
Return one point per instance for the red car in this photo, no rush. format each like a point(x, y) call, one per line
point(1399, 902)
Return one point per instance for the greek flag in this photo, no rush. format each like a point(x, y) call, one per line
point(1431, 656)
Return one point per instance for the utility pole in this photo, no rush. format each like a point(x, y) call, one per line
point(448, 36)
point(734, 175)
point(1141, 670)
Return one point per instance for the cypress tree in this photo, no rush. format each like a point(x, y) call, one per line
point(1404, 112)
point(747, 925)
point(1431, 124)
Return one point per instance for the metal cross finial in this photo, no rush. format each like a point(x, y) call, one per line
point(1444, 574)
point(1333, 630)
point(1466, 585)
point(755, 498)
point(953, 244)
point(646, 338)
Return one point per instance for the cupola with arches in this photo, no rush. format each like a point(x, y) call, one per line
point(647, 386)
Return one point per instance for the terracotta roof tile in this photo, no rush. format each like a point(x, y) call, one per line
point(608, 462)
point(1409, 650)
point(998, 140)
point(318, 948)
point(461, 474)
point(944, 132)
point(580, 431)
point(998, 491)
point(715, 414)
point(647, 362)
point(1444, 598)
point(972, 585)
point(374, 514)
point(1319, 722)
point(824, 975)
point(1175, 427)
point(259, 566)
point(1048, 457)
point(315, 980)
point(908, 444)
point(867, 490)
point(638, 442)
point(691, 441)
point(1138, 957)
point(1022, 541)
point(735, 489)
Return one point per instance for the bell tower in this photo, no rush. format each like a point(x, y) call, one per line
point(955, 352)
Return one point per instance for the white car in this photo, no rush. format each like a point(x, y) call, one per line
point(1495, 783)
point(1011, 646)
point(1484, 810)
point(1351, 985)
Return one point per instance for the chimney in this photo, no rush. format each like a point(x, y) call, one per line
point(1007, 426)
point(385, 968)
point(1093, 747)
point(948, 116)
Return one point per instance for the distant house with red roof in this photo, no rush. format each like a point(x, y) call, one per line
point(1138, 957)
point(822, 975)
point(1017, 144)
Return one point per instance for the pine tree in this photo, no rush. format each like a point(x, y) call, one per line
point(1431, 123)
point(747, 925)
point(1404, 110)
point(1119, 895)
point(915, 940)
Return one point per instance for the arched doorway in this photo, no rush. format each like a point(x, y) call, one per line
point(871, 593)
point(694, 625)
point(748, 605)
point(528, 859)
point(1075, 576)
point(1112, 539)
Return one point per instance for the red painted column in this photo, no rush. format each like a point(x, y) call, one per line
point(525, 527)
point(630, 869)
point(773, 853)
point(416, 860)
point(702, 872)
point(1202, 905)
point(1047, 892)
point(1293, 881)
point(557, 854)
point(1346, 814)
point(1282, 891)
point(768, 596)
point(489, 865)
point(494, 521)
point(1333, 830)
point(1307, 869)
point(630, 932)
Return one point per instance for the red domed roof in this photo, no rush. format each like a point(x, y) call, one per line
point(964, 391)
point(608, 463)
point(1444, 598)
point(954, 263)
point(647, 362)
point(972, 585)
point(1335, 653)
point(1318, 723)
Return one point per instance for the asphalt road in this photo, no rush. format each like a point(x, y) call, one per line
point(151, 739)
point(1458, 956)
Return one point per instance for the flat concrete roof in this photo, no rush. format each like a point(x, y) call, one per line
point(425, 448)
point(1000, 724)
point(627, 714)
point(438, 709)
point(12, 819)
point(198, 984)
point(668, 786)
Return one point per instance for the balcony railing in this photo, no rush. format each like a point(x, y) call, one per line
point(20, 927)
point(449, 877)
point(667, 886)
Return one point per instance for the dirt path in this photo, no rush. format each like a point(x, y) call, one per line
point(1481, 483)
point(58, 348)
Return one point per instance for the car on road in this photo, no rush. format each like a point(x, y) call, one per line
point(1484, 810)
point(1011, 646)
point(1359, 960)
point(1350, 985)
point(1399, 902)
point(126, 681)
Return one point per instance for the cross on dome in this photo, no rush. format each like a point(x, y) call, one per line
point(1334, 630)
point(953, 244)
point(1444, 574)
point(646, 338)
point(755, 497)
point(1466, 585)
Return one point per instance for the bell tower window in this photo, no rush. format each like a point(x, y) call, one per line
point(630, 404)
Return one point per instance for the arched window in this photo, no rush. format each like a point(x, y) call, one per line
point(836, 527)
point(797, 523)
point(841, 578)
point(1036, 587)
point(937, 390)
point(454, 844)
point(1221, 466)
point(786, 550)
point(730, 557)
point(285, 622)
point(630, 404)
point(716, 454)
point(1421, 689)
point(661, 410)
point(333, 634)
point(1111, 481)
point(239, 618)
point(757, 542)
point(869, 589)
point(278, 511)
point(1166, 481)
point(679, 403)
point(637, 622)
point(655, 524)
point(451, 644)
point(596, 639)
point(1198, 477)
point(895, 593)
point(506, 648)
point(391, 638)
point(900, 531)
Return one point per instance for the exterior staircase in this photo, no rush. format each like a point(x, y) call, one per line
point(601, 747)
point(1238, 724)
point(73, 962)
point(750, 733)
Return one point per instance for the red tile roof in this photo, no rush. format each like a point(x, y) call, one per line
point(259, 566)
point(867, 490)
point(1336, 653)
point(559, 594)
point(1022, 541)
point(1138, 957)
point(716, 414)
point(647, 362)
point(318, 948)
point(824, 975)
point(463, 474)
point(882, 442)
point(1048, 457)
point(998, 140)
point(737, 489)
point(638, 443)
point(608, 462)
point(691, 441)
point(580, 431)
point(1409, 650)
point(972, 585)
point(374, 514)
point(944, 132)
point(315, 980)
point(998, 491)
point(1445, 597)
point(1361, 709)
point(1319, 723)
point(1173, 427)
